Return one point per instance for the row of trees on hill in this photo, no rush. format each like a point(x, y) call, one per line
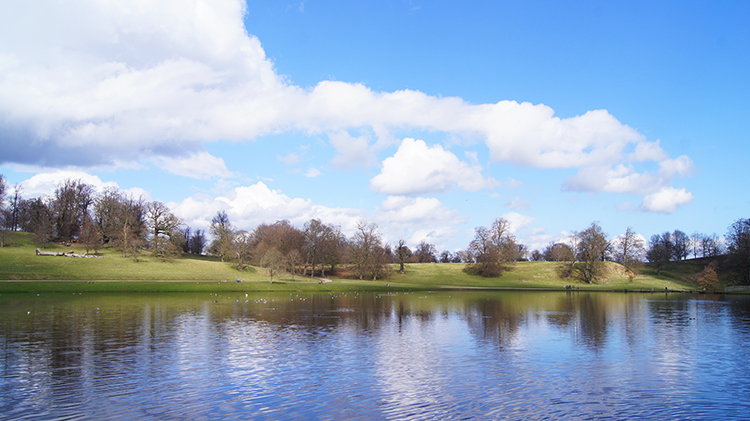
point(494, 250)
point(588, 249)
point(314, 249)
point(133, 225)
point(631, 247)
point(76, 211)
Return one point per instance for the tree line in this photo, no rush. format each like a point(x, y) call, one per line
point(75, 212)
point(588, 249)
point(134, 226)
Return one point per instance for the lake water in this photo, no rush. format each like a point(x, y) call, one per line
point(452, 355)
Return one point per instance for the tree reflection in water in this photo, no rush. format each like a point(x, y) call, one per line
point(353, 355)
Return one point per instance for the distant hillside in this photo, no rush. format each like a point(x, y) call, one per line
point(20, 262)
point(687, 271)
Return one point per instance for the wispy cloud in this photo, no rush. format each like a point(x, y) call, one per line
point(312, 173)
point(200, 165)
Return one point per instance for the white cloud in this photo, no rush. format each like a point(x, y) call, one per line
point(648, 151)
point(518, 221)
point(529, 134)
point(45, 184)
point(92, 83)
point(682, 166)
point(618, 179)
point(416, 168)
point(398, 217)
point(200, 165)
point(410, 210)
point(625, 179)
point(89, 82)
point(517, 203)
point(624, 206)
point(290, 159)
point(666, 200)
point(312, 173)
point(416, 219)
point(512, 183)
point(249, 206)
point(353, 151)
point(539, 238)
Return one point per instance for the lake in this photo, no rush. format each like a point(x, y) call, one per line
point(446, 355)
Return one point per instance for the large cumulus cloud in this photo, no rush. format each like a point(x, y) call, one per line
point(89, 82)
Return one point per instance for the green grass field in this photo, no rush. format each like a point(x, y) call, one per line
point(114, 273)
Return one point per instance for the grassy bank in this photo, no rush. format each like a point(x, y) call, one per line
point(21, 270)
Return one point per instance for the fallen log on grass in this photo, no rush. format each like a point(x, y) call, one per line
point(71, 254)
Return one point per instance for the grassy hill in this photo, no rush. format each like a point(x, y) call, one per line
point(112, 272)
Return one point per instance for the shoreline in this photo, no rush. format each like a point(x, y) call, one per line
point(166, 286)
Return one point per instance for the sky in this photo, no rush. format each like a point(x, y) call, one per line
point(426, 118)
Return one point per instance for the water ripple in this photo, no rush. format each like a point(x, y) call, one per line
point(360, 356)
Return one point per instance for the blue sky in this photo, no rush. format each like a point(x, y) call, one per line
point(428, 118)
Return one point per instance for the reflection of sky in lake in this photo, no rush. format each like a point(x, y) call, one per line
point(376, 356)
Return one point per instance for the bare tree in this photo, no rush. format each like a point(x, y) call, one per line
point(186, 237)
point(243, 247)
point(291, 260)
point(273, 261)
point(660, 250)
point(70, 206)
point(494, 249)
point(42, 222)
point(24, 215)
point(695, 244)
point(14, 219)
point(314, 238)
point(163, 226)
point(3, 190)
point(197, 242)
point(402, 253)
point(559, 252)
point(466, 256)
point(629, 248)
point(499, 231)
point(129, 242)
point(281, 235)
point(738, 240)
point(286, 237)
point(481, 246)
point(523, 251)
point(4, 215)
point(119, 219)
point(334, 243)
point(108, 213)
point(592, 247)
point(3, 229)
point(425, 252)
point(90, 237)
point(681, 245)
point(367, 251)
point(710, 246)
point(485, 249)
point(222, 232)
point(134, 214)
